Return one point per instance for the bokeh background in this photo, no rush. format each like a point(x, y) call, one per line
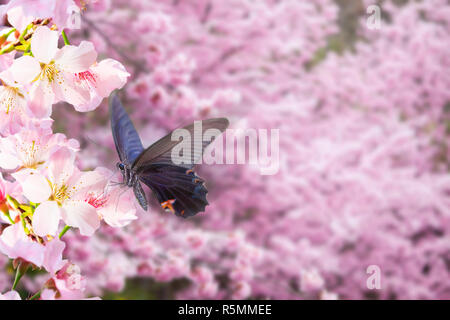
point(364, 119)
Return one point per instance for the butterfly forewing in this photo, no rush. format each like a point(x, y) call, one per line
point(161, 151)
point(126, 139)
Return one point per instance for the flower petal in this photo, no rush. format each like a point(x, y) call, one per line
point(76, 59)
point(36, 188)
point(61, 166)
point(46, 219)
point(53, 260)
point(41, 99)
point(23, 70)
point(10, 295)
point(8, 161)
point(87, 182)
point(81, 215)
point(68, 90)
point(44, 44)
point(111, 75)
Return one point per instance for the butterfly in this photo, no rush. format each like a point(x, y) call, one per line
point(176, 186)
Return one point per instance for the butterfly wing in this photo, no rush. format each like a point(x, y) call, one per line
point(178, 190)
point(161, 151)
point(176, 186)
point(127, 141)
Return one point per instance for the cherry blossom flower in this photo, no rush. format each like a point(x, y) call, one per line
point(66, 284)
point(31, 147)
point(61, 195)
point(15, 243)
point(64, 13)
point(52, 71)
point(100, 80)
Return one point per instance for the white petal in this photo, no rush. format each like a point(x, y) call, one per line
point(36, 188)
point(24, 70)
point(76, 59)
point(46, 219)
point(44, 44)
point(68, 90)
point(61, 166)
point(8, 161)
point(81, 215)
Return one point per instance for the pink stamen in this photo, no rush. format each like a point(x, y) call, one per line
point(97, 201)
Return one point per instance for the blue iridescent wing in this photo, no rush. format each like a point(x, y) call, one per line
point(127, 141)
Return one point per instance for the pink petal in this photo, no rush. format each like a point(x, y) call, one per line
point(87, 182)
point(90, 105)
point(119, 210)
point(41, 99)
point(18, 19)
point(76, 59)
point(66, 15)
point(111, 75)
point(61, 166)
point(81, 215)
point(8, 161)
point(44, 44)
point(24, 70)
point(36, 188)
point(68, 90)
point(10, 295)
point(16, 244)
point(46, 219)
point(53, 260)
point(48, 294)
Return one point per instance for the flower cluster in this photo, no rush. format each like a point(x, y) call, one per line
point(363, 131)
point(43, 190)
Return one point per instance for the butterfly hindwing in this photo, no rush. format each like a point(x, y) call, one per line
point(177, 189)
point(126, 139)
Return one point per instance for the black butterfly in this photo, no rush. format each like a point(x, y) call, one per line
point(176, 186)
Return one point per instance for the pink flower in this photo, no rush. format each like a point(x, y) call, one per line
point(61, 195)
point(64, 13)
point(8, 188)
point(100, 80)
point(31, 147)
point(16, 244)
point(67, 284)
point(52, 71)
point(326, 295)
point(153, 22)
point(115, 205)
point(10, 295)
point(13, 107)
point(311, 280)
point(13, 104)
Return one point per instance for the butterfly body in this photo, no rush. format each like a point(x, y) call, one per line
point(176, 186)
